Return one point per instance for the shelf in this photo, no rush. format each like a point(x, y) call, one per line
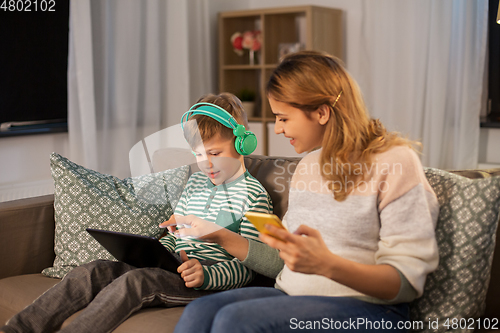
point(490, 124)
point(493, 121)
point(249, 67)
point(313, 27)
point(243, 67)
point(50, 128)
point(257, 119)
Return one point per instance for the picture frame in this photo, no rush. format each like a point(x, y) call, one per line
point(287, 48)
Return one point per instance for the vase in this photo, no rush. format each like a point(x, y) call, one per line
point(253, 57)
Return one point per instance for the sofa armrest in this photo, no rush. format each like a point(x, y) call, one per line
point(26, 235)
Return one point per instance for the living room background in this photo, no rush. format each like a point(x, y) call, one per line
point(420, 65)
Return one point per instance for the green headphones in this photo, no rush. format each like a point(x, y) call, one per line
point(245, 142)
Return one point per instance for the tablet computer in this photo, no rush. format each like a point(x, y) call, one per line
point(136, 250)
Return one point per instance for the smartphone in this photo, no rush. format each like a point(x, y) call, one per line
point(259, 220)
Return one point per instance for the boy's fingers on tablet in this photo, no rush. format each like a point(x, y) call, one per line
point(171, 222)
point(184, 256)
point(185, 232)
point(187, 220)
point(186, 263)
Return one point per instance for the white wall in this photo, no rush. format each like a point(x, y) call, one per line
point(25, 166)
point(489, 148)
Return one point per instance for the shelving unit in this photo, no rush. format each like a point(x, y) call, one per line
point(316, 28)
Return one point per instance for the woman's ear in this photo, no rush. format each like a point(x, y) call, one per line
point(324, 114)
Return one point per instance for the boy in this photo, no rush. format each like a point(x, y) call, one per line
point(111, 291)
point(220, 193)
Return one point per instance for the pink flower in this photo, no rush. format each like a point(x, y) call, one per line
point(236, 40)
point(258, 35)
point(248, 38)
point(255, 45)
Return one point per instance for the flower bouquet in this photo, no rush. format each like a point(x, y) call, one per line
point(249, 40)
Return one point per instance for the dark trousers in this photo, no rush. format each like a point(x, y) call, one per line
point(108, 291)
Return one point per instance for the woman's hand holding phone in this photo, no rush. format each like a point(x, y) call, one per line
point(308, 255)
point(261, 220)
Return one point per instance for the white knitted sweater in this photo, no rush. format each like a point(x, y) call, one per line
point(389, 219)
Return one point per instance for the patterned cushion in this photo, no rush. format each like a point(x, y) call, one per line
point(465, 232)
point(85, 198)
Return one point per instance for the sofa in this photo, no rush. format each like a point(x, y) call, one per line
point(27, 247)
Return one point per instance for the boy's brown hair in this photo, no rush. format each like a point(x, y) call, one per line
point(208, 127)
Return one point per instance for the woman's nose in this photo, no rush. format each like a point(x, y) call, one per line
point(278, 128)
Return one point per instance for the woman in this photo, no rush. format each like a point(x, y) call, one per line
point(360, 220)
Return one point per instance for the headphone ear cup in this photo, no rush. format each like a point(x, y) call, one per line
point(246, 144)
point(239, 130)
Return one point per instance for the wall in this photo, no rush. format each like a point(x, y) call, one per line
point(489, 152)
point(24, 164)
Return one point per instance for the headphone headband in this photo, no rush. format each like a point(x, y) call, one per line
point(211, 110)
point(245, 142)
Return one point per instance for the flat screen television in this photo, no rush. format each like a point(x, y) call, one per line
point(33, 65)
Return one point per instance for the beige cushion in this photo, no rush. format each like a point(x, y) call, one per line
point(146, 320)
point(17, 292)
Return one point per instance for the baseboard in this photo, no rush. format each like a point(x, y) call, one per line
point(16, 191)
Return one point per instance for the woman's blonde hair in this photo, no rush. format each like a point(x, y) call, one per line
point(308, 80)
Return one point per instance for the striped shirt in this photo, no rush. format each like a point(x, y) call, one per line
point(224, 205)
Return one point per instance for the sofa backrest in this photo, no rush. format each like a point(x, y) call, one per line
point(274, 173)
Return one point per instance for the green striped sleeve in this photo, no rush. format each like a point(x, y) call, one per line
point(169, 242)
point(260, 203)
point(226, 275)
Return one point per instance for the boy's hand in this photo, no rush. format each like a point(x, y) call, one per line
point(191, 271)
point(171, 224)
point(193, 226)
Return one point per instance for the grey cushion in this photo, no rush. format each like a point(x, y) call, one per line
point(465, 233)
point(85, 198)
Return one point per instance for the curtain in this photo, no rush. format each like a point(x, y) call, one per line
point(421, 68)
point(136, 66)
point(128, 77)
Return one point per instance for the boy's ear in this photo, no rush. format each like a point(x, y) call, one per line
point(323, 114)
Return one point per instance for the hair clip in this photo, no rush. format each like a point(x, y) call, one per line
point(336, 99)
